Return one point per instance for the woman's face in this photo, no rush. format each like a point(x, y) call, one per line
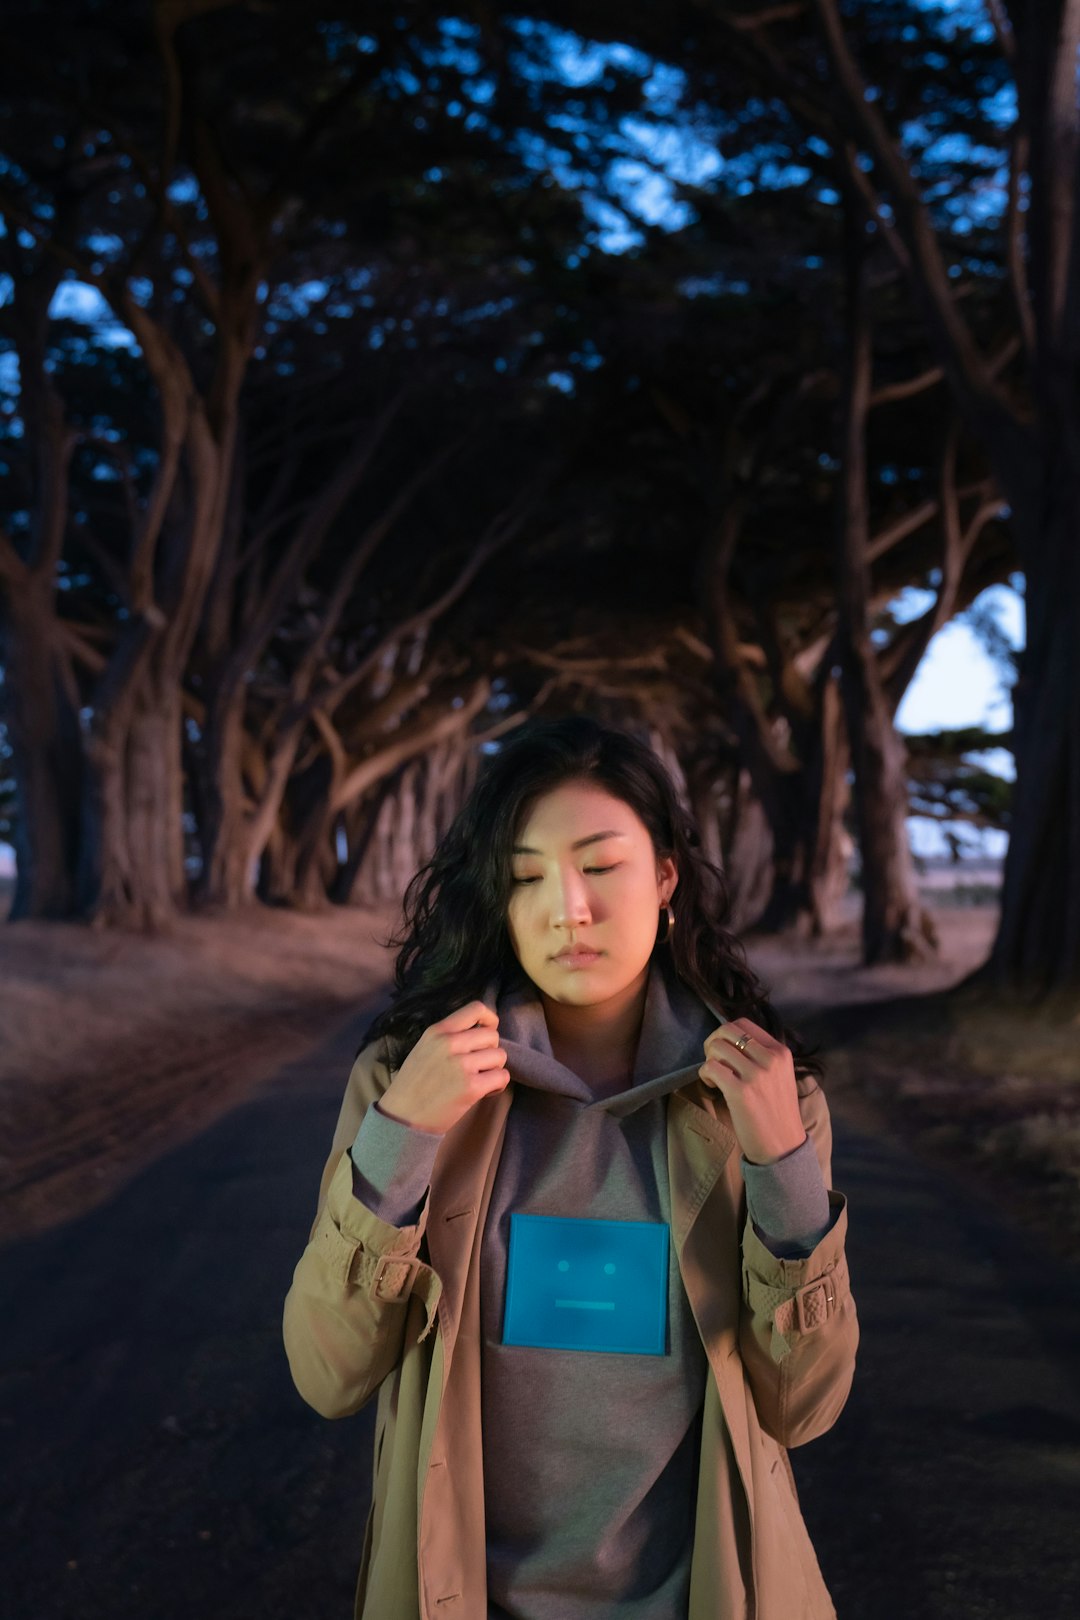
point(606, 895)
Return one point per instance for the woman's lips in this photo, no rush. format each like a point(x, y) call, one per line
point(578, 958)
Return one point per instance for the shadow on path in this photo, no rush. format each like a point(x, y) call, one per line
point(950, 1484)
point(160, 1464)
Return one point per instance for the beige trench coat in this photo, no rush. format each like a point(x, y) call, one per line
point(375, 1309)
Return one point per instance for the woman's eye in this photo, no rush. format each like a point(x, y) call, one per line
point(584, 869)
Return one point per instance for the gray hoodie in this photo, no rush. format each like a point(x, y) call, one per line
point(590, 1479)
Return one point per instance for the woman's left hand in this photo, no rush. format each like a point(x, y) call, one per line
point(758, 1085)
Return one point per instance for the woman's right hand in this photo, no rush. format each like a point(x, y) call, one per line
point(454, 1063)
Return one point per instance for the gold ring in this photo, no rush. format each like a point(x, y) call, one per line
point(742, 1043)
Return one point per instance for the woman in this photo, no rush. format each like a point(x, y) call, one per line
point(576, 1228)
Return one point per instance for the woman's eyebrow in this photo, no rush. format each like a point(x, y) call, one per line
point(593, 838)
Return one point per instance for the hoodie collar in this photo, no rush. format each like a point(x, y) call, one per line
point(675, 1024)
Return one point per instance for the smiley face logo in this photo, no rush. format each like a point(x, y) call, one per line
point(587, 1284)
point(563, 1304)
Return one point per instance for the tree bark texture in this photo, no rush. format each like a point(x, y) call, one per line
point(895, 924)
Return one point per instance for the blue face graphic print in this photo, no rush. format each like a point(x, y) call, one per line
point(587, 1285)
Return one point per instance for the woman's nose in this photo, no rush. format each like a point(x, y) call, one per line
point(571, 904)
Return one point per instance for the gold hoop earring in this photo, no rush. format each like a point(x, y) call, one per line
point(665, 937)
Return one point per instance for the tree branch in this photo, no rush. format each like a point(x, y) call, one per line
point(914, 231)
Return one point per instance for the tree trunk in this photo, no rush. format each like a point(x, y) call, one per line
point(376, 875)
point(155, 803)
point(1038, 942)
point(426, 831)
point(225, 879)
point(768, 828)
point(314, 872)
point(403, 852)
point(39, 695)
point(43, 733)
point(809, 864)
point(132, 866)
point(895, 925)
point(828, 871)
point(361, 821)
point(277, 868)
point(703, 803)
point(748, 855)
point(131, 869)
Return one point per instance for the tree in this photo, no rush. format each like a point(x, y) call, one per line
point(1030, 436)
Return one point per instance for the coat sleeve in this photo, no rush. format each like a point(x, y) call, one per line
point(798, 1327)
point(344, 1315)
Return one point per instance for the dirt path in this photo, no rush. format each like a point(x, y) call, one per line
point(161, 1465)
point(115, 1048)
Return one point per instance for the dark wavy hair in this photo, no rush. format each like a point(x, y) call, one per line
point(455, 938)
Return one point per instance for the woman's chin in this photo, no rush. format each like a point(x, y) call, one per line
point(577, 987)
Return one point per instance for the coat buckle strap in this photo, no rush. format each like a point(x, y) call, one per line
point(812, 1303)
point(398, 1273)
